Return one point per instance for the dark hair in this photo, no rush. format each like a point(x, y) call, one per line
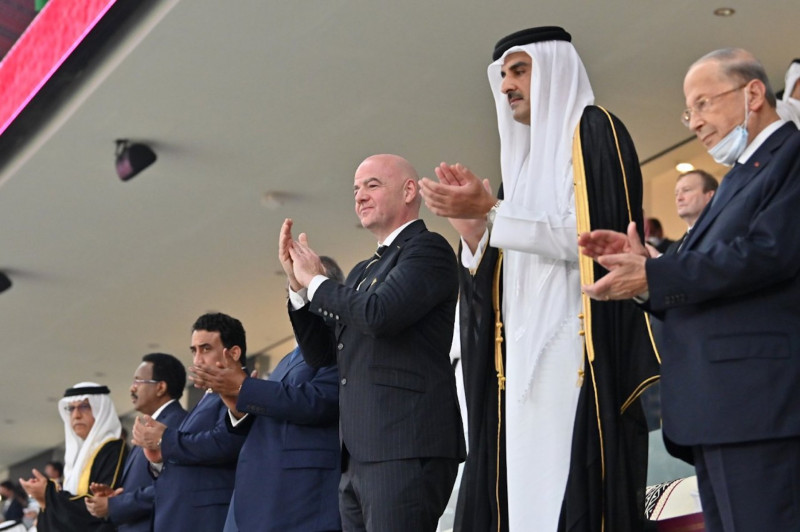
point(18, 493)
point(743, 67)
point(709, 181)
point(332, 270)
point(58, 466)
point(230, 331)
point(169, 369)
point(655, 225)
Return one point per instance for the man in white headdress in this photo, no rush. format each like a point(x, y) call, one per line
point(788, 106)
point(559, 455)
point(94, 452)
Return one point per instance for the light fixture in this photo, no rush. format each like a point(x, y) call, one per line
point(132, 158)
point(724, 11)
point(684, 167)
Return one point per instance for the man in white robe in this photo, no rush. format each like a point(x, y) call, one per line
point(541, 92)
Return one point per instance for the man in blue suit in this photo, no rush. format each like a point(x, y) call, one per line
point(730, 303)
point(400, 423)
point(156, 389)
point(289, 467)
point(195, 463)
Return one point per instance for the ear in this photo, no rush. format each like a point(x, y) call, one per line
point(410, 190)
point(235, 352)
point(161, 388)
point(756, 94)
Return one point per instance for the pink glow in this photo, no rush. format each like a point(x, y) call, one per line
point(52, 36)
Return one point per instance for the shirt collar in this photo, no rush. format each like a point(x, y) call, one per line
point(759, 140)
point(161, 409)
point(389, 239)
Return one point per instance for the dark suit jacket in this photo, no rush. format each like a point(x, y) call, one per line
point(132, 510)
point(288, 474)
point(397, 393)
point(194, 488)
point(730, 301)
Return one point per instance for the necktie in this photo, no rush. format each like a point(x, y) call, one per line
point(683, 240)
point(375, 258)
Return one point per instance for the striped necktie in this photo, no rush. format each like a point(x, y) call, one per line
point(375, 258)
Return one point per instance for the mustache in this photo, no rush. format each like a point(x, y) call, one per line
point(512, 94)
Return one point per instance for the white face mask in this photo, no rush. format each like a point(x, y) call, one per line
point(727, 150)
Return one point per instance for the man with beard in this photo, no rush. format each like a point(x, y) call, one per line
point(546, 406)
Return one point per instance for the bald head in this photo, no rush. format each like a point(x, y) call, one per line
point(386, 193)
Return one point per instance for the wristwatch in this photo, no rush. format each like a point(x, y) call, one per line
point(492, 213)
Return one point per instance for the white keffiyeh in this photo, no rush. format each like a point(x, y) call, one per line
point(78, 452)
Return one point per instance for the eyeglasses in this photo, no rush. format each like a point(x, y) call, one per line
point(137, 382)
point(702, 105)
point(83, 407)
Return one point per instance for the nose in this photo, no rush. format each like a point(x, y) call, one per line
point(361, 195)
point(507, 85)
point(696, 122)
point(132, 388)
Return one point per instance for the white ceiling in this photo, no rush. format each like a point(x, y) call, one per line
point(241, 98)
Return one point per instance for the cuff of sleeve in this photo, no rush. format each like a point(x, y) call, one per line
point(470, 260)
point(298, 299)
point(233, 419)
point(644, 297)
point(314, 284)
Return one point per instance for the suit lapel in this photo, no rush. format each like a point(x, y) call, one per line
point(389, 258)
point(201, 405)
point(286, 365)
point(736, 181)
point(135, 451)
point(379, 270)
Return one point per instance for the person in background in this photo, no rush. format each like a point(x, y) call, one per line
point(55, 471)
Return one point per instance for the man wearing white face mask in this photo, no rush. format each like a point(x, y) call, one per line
point(730, 303)
point(789, 105)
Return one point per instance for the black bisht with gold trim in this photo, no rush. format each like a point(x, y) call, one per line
point(608, 468)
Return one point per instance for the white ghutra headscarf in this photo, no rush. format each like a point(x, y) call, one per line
point(106, 427)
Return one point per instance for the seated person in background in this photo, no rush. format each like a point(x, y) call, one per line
point(655, 235)
point(14, 500)
point(54, 470)
point(94, 453)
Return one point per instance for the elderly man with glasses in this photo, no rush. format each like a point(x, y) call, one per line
point(730, 303)
point(94, 452)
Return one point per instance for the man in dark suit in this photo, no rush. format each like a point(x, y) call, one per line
point(400, 425)
point(730, 301)
point(195, 463)
point(157, 386)
point(693, 190)
point(291, 423)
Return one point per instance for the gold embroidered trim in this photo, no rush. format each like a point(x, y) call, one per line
point(501, 377)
